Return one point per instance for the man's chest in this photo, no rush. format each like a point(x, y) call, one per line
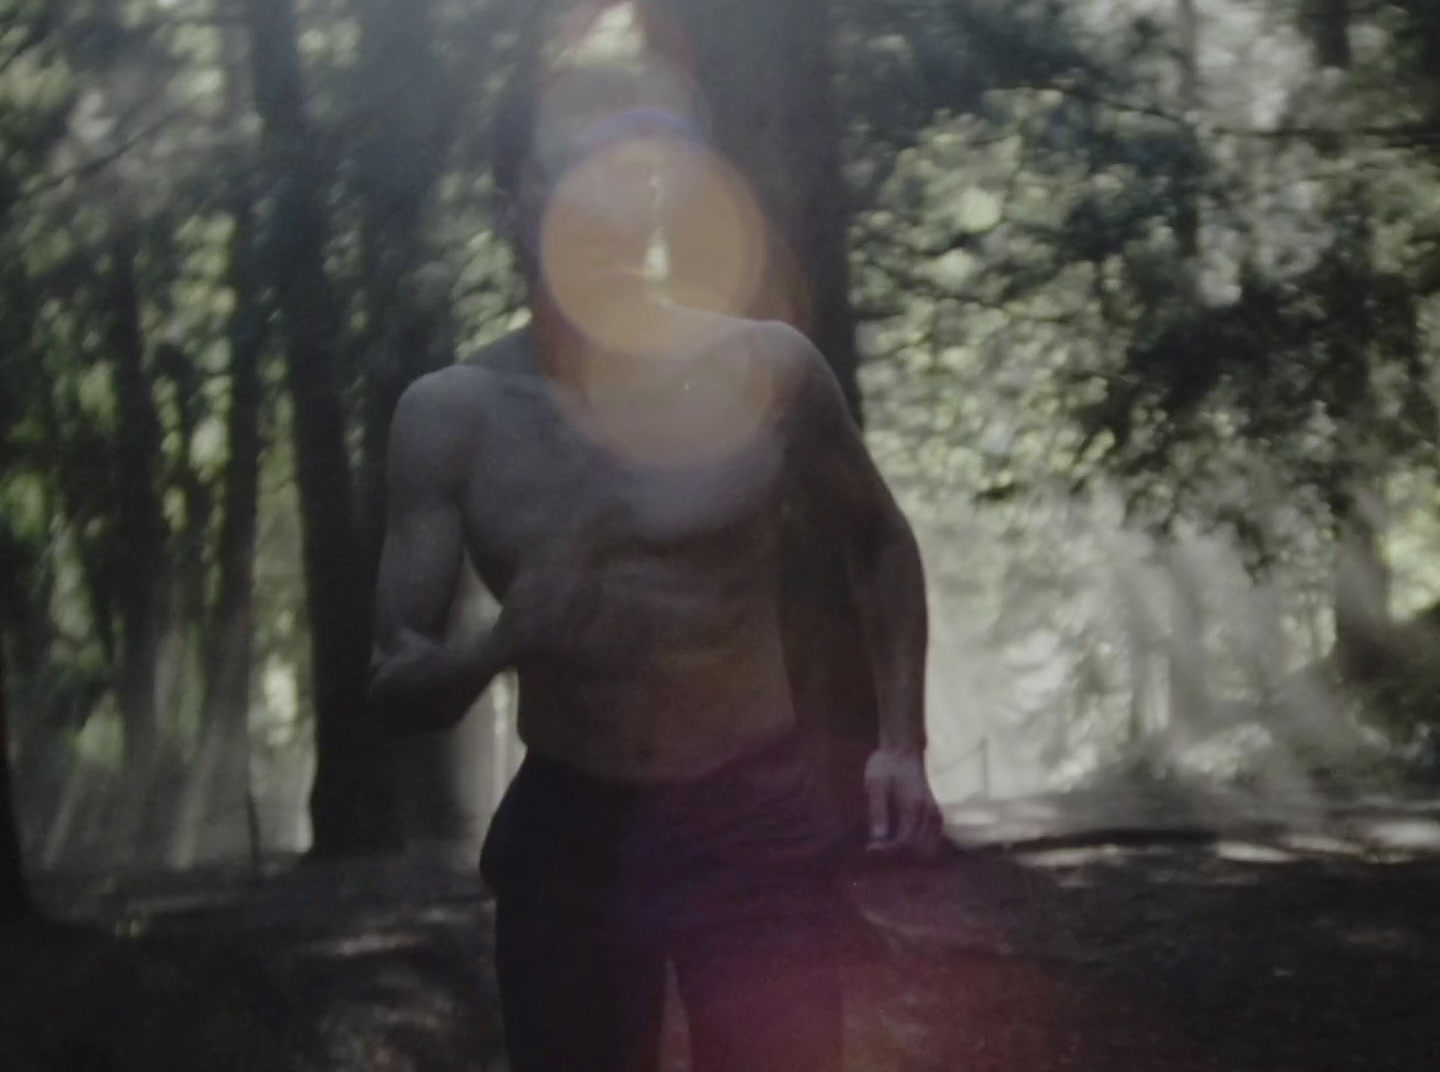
point(542, 486)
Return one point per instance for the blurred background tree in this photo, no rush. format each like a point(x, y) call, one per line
point(1138, 301)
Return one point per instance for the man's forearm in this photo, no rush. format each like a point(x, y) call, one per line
point(890, 588)
point(430, 685)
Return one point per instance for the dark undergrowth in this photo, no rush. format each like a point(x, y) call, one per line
point(1179, 957)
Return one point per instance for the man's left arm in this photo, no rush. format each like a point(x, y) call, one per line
point(831, 468)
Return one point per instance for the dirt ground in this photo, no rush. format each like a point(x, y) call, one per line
point(1137, 952)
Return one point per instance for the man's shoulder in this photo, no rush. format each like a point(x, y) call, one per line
point(456, 392)
point(772, 339)
point(781, 336)
point(433, 407)
point(440, 413)
point(791, 353)
point(797, 366)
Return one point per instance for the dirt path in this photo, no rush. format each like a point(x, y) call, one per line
point(1167, 959)
point(1194, 957)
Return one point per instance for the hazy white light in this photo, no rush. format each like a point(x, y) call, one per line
point(614, 34)
point(575, 96)
point(1245, 852)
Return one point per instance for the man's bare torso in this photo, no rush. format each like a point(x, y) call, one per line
point(676, 664)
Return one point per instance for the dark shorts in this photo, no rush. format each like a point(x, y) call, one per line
point(730, 877)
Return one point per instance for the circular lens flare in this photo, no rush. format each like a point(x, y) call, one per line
point(667, 369)
point(607, 215)
point(714, 233)
point(653, 248)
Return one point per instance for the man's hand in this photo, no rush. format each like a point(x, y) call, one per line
point(903, 814)
point(420, 684)
point(407, 652)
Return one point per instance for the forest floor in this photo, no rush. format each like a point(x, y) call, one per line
point(1161, 946)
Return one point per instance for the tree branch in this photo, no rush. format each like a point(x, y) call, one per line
point(1405, 134)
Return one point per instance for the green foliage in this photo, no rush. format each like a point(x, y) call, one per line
point(1036, 324)
point(1047, 362)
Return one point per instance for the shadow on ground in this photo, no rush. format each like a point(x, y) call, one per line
point(1124, 955)
point(1181, 958)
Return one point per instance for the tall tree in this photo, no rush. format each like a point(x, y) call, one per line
point(349, 801)
point(217, 791)
point(141, 531)
point(405, 127)
point(1188, 669)
point(764, 71)
point(14, 894)
point(399, 154)
point(1346, 282)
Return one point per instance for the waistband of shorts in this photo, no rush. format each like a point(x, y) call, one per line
point(559, 775)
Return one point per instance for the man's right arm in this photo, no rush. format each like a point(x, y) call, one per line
point(424, 676)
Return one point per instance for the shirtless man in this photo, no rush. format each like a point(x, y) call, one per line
point(665, 811)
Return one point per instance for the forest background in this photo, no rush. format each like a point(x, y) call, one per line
point(1139, 302)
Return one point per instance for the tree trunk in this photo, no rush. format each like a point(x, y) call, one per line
point(182, 645)
point(764, 71)
point(1331, 20)
point(1189, 705)
point(217, 792)
point(446, 781)
point(1363, 626)
point(349, 800)
point(180, 369)
point(1138, 652)
point(398, 161)
point(140, 536)
point(1362, 580)
point(1188, 667)
point(444, 785)
point(15, 904)
point(1187, 224)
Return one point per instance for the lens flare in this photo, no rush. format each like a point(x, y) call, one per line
point(654, 250)
point(669, 371)
point(609, 211)
point(714, 233)
point(594, 243)
point(710, 398)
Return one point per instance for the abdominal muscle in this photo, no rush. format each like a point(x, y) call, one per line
point(686, 710)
